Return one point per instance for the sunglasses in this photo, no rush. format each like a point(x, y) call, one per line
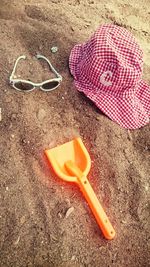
point(27, 86)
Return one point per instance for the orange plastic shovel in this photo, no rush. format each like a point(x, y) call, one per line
point(71, 162)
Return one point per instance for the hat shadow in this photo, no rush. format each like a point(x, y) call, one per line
point(84, 98)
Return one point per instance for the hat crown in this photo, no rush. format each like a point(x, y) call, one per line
point(112, 59)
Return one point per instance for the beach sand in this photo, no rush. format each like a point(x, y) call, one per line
point(34, 228)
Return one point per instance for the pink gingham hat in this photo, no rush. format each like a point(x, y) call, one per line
point(108, 69)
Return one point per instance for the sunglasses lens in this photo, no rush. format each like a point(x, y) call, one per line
point(50, 85)
point(24, 86)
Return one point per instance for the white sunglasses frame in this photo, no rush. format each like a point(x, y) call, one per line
point(12, 80)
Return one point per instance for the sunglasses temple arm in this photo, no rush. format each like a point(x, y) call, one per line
point(50, 65)
point(15, 66)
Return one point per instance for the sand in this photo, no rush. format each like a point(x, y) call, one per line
point(34, 228)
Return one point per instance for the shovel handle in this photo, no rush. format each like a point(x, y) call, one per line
point(92, 200)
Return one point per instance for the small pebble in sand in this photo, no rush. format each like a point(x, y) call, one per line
point(146, 187)
point(102, 248)
point(40, 47)
point(53, 238)
point(13, 116)
point(22, 220)
point(17, 241)
point(0, 114)
point(98, 118)
point(59, 215)
point(12, 135)
point(123, 221)
point(69, 211)
point(87, 24)
point(54, 49)
point(73, 258)
point(68, 202)
point(41, 114)
point(72, 28)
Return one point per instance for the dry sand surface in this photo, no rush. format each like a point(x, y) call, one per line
point(34, 228)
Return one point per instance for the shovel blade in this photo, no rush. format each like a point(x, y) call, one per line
point(74, 151)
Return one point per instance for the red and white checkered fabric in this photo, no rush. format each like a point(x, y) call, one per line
point(108, 69)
